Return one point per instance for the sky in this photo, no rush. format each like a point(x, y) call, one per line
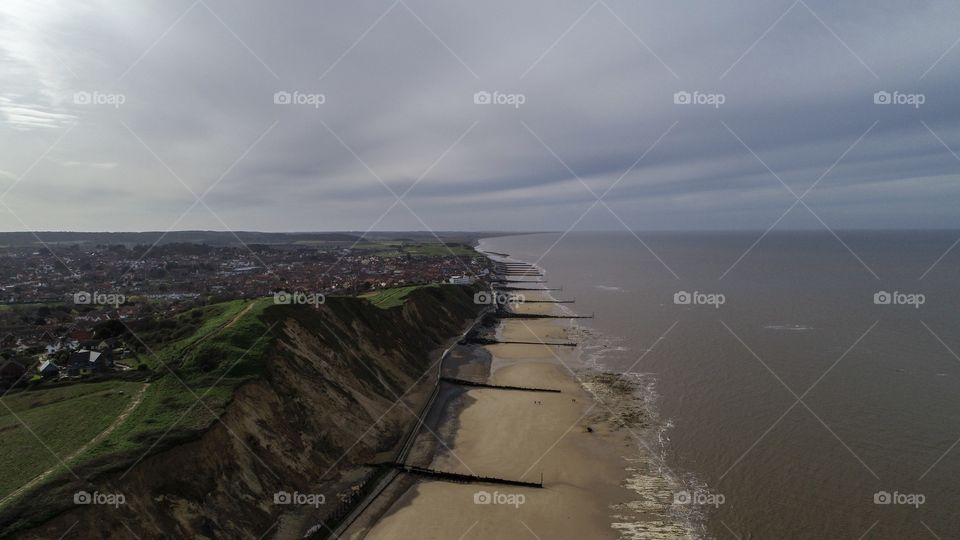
point(417, 115)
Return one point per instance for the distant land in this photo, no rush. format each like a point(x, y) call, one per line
point(227, 237)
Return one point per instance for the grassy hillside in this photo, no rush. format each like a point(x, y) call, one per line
point(63, 418)
point(314, 380)
point(395, 296)
point(173, 338)
point(223, 349)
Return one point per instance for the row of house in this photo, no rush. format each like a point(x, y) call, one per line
point(80, 363)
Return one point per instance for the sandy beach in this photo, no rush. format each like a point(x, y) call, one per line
point(567, 437)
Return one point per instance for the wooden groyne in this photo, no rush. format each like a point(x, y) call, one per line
point(519, 272)
point(528, 289)
point(489, 341)
point(511, 315)
point(349, 510)
point(464, 382)
point(457, 477)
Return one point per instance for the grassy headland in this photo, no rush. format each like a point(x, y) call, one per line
point(342, 352)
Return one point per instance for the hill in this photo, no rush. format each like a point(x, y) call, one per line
point(292, 399)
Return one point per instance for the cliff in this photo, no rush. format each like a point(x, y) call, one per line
point(323, 403)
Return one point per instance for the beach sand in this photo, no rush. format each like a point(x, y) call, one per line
point(518, 435)
point(505, 434)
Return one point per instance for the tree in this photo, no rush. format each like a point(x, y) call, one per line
point(109, 329)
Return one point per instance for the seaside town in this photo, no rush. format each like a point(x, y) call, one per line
point(58, 306)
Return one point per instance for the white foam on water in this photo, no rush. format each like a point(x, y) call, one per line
point(788, 327)
point(653, 514)
point(609, 288)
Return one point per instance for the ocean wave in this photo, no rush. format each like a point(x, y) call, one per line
point(610, 288)
point(654, 513)
point(788, 327)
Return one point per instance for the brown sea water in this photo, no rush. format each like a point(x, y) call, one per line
point(799, 407)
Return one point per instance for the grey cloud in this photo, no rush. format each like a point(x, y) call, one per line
point(199, 92)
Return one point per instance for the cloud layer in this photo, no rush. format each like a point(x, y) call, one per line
point(319, 115)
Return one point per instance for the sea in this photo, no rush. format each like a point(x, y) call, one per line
point(804, 384)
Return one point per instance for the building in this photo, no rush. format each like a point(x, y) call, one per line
point(461, 280)
point(48, 370)
point(87, 362)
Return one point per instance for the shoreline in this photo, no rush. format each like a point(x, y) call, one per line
point(592, 465)
point(518, 435)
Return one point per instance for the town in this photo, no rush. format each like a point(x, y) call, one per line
point(64, 309)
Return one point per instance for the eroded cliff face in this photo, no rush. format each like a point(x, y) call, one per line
point(326, 403)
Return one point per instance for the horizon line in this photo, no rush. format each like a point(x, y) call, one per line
point(481, 231)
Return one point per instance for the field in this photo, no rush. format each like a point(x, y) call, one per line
point(63, 419)
point(388, 298)
point(417, 249)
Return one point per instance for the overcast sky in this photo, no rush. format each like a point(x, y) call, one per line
point(118, 115)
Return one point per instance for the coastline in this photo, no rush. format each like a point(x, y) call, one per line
point(583, 441)
point(518, 435)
